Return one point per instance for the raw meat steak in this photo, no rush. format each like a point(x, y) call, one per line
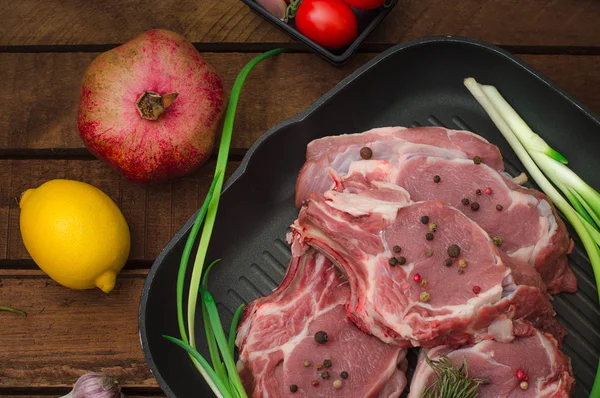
point(277, 336)
point(387, 143)
point(548, 369)
point(524, 219)
point(407, 284)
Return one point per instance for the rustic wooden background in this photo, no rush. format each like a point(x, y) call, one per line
point(44, 49)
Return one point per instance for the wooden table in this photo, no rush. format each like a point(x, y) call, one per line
point(44, 49)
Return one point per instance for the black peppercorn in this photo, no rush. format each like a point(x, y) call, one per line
point(366, 153)
point(424, 220)
point(436, 178)
point(465, 201)
point(293, 388)
point(344, 375)
point(327, 363)
point(474, 206)
point(477, 160)
point(454, 251)
point(393, 261)
point(478, 192)
point(325, 375)
point(321, 337)
point(499, 207)
point(397, 249)
point(448, 262)
point(429, 236)
point(401, 260)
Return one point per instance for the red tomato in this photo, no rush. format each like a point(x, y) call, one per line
point(330, 23)
point(365, 4)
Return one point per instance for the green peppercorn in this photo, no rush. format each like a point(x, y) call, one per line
point(497, 241)
point(477, 160)
point(321, 337)
point(461, 271)
point(429, 252)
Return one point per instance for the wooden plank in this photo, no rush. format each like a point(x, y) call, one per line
point(68, 333)
point(43, 94)
point(154, 212)
point(43, 91)
point(513, 22)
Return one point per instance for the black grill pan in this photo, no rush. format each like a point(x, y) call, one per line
point(415, 83)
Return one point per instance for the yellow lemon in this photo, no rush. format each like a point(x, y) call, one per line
point(75, 233)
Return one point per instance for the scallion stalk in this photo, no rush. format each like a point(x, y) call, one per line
point(544, 163)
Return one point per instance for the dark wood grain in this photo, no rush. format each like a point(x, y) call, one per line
point(43, 92)
point(68, 333)
point(154, 212)
point(512, 22)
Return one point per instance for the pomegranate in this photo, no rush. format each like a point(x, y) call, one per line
point(151, 107)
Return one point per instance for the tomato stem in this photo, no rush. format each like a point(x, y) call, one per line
point(291, 10)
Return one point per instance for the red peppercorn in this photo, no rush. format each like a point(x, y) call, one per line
point(520, 374)
point(417, 278)
point(488, 191)
point(526, 377)
point(476, 289)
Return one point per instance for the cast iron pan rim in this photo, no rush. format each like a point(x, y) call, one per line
point(298, 118)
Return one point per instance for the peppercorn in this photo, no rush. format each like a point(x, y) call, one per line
point(429, 236)
point(321, 337)
point(425, 220)
point(476, 289)
point(462, 263)
point(344, 375)
point(478, 192)
point(417, 278)
point(306, 364)
point(327, 363)
point(454, 251)
point(401, 260)
point(429, 252)
point(397, 249)
point(499, 207)
point(477, 160)
point(497, 241)
point(319, 366)
point(488, 191)
point(393, 261)
point(520, 374)
point(315, 382)
point(448, 262)
point(337, 384)
point(524, 385)
point(474, 206)
point(293, 388)
point(432, 227)
point(465, 201)
point(436, 179)
point(461, 271)
point(366, 153)
point(424, 297)
point(325, 375)
point(424, 283)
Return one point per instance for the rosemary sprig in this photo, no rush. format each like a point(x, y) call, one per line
point(451, 381)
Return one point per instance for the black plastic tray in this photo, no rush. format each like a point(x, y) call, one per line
point(367, 21)
point(416, 83)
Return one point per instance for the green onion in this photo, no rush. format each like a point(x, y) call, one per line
point(542, 162)
point(13, 310)
point(222, 377)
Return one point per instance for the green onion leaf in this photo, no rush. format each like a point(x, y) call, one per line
point(213, 349)
point(13, 310)
point(233, 328)
point(215, 383)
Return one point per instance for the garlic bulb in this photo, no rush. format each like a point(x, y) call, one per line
point(95, 385)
